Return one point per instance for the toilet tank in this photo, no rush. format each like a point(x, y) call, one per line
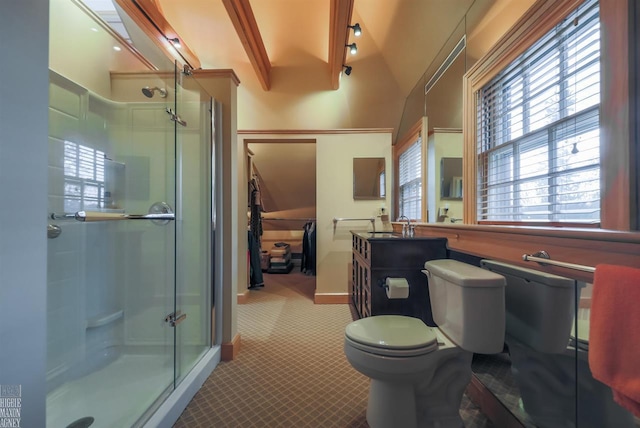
point(540, 306)
point(467, 304)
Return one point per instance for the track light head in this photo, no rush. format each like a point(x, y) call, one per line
point(175, 42)
point(357, 31)
point(352, 48)
point(347, 69)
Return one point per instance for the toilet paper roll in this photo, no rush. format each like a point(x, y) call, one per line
point(397, 288)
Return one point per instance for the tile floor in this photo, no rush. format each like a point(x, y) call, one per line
point(291, 370)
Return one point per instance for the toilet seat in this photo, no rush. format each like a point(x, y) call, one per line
point(392, 335)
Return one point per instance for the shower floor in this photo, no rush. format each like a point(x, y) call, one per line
point(115, 396)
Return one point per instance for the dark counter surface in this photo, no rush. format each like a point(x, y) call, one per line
point(379, 236)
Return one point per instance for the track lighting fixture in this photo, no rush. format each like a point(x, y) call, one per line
point(347, 69)
point(175, 42)
point(357, 31)
point(352, 48)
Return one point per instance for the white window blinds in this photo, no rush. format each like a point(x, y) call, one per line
point(83, 177)
point(410, 181)
point(538, 139)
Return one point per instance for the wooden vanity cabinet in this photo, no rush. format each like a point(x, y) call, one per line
point(376, 256)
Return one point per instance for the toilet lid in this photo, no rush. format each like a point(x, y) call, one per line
point(392, 332)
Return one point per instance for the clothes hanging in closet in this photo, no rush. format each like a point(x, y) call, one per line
point(255, 269)
point(308, 262)
point(256, 207)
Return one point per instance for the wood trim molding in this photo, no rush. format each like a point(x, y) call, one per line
point(243, 297)
point(618, 181)
point(141, 74)
point(409, 137)
point(218, 73)
point(618, 115)
point(420, 128)
point(230, 350)
point(331, 298)
point(152, 22)
point(537, 21)
point(280, 140)
point(316, 131)
point(588, 247)
point(245, 24)
point(339, 20)
point(445, 131)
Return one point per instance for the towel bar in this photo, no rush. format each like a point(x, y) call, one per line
point(543, 258)
point(337, 219)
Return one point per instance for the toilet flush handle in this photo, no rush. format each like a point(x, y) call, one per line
point(427, 273)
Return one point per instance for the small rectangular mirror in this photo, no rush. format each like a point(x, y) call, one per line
point(451, 178)
point(369, 181)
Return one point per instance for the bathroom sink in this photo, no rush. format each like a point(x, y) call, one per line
point(384, 235)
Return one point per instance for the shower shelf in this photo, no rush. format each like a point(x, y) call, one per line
point(105, 319)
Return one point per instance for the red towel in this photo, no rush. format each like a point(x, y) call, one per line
point(614, 335)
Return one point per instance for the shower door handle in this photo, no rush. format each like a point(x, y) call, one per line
point(175, 318)
point(174, 116)
point(100, 216)
point(160, 213)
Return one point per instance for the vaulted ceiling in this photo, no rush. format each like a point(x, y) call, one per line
point(281, 51)
point(400, 40)
point(405, 34)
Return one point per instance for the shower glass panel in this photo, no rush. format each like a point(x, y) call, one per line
point(111, 282)
point(194, 250)
point(111, 356)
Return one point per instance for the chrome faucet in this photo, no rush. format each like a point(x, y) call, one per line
point(407, 229)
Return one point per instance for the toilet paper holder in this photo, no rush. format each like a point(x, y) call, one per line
point(382, 282)
point(395, 293)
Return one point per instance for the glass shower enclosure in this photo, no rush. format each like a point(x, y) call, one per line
point(130, 281)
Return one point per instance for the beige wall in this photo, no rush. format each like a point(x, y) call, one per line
point(83, 55)
point(493, 25)
point(335, 155)
point(302, 99)
point(334, 197)
point(443, 103)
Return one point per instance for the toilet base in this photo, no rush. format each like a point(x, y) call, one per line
point(391, 405)
point(431, 401)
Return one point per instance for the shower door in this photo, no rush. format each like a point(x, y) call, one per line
point(194, 145)
point(111, 253)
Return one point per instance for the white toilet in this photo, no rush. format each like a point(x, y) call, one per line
point(546, 354)
point(419, 373)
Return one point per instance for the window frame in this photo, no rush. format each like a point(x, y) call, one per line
point(403, 143)
point(619, 180)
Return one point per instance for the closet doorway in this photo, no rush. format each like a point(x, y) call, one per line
point(282, 183)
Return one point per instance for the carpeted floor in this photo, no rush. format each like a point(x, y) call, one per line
point(291, 370)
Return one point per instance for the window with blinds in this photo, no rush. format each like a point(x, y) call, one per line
point(410, 181)
point(538, 139)
point(83, 177)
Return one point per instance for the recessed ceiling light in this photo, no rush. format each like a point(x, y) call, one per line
point(117, 48)
point(95, 30)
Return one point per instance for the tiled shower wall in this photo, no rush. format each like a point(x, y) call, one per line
point(99, 269)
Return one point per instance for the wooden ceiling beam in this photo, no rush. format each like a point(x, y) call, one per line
point(339, 20)
point(245, 24)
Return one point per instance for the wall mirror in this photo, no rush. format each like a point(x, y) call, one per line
point(451, 178)
point(369, 178)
